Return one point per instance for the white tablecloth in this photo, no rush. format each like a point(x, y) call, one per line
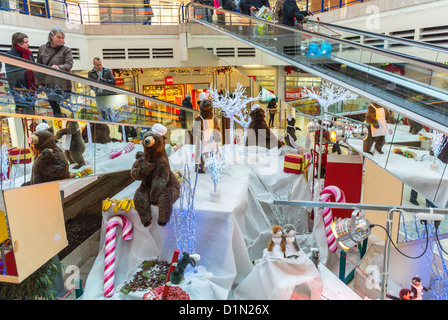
point(230, 233)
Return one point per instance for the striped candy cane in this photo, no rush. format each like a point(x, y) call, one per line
point(128, 147)
point(109, 256)
point(325, 196)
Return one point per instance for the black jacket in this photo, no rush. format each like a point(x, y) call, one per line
point(105, 76)
point(291, 11)
point(246, 4)
point(16, 76)
point(187, 104)
point(227, 5)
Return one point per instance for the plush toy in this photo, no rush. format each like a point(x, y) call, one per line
point(376, 116)
point(277, 244)
point(74, 145)
point(258, 132)
point(51, 163)
point(177, 275)
point(206, 134)
point(100, 133)
point(290, 137)
point(417, 288)
point(315, 256)
point(414, 126)
point(160, 186)
point(292, 248)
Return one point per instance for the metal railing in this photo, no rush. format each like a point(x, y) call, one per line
point(87, 13)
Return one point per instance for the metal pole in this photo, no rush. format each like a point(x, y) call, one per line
point(359, 206)
point(386, 257)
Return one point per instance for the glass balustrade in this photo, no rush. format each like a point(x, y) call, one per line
point(406, 81)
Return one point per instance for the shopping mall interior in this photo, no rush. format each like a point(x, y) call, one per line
point(190, 151)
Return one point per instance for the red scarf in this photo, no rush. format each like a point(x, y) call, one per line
point(30, 78)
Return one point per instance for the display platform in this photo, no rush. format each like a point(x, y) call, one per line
point(416, 172)
point(230, 233)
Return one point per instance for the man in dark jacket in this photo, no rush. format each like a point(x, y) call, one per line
point(291, 11)
point(101, 74)
point(183, 114)
point(247, 6)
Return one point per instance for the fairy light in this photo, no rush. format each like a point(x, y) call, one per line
point(217, 167)
point(184, 219)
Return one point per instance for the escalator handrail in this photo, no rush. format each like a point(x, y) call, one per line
point(37, 67)
point(436, 66)
point(411, 42)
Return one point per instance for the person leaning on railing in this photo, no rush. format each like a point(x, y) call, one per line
point(58, 56)
point(22, 82)
point(104, 75)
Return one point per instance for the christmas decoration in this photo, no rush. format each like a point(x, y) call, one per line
point(328, 95)
point(438, 141)
point(217, 168)
point(110, 245)
point(184, 219)
point(233, 106)
point(325, 195)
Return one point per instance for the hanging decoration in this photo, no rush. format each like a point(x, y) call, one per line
point(187, 71)
point(289, 69)
point(129, 72)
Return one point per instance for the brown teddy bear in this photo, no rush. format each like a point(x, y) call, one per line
point(76, 145)
point(159, 186)
point(376, 116)
point(100, 133)
point(51, 163)
point(206, 133)
point(290, 137)
point(258, 132)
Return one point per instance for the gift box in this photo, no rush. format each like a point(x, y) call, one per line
point(297, 163)
point(21, 155)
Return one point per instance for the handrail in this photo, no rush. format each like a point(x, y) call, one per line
point(384, 36)
point(19, 62)
point(385, 52)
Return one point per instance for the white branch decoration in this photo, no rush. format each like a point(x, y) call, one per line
point(329, 94)
point(234, 107)
point(437, 143)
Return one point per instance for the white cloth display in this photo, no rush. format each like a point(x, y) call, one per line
point(278, 278)
point(230, 233)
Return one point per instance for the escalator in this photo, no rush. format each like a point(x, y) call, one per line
point(373, 69)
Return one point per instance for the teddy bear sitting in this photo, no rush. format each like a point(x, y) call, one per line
point(159, 186)
point(258, 132)
point(51, 163)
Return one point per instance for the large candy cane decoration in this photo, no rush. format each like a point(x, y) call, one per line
point(109, 255)
point(325, 196)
